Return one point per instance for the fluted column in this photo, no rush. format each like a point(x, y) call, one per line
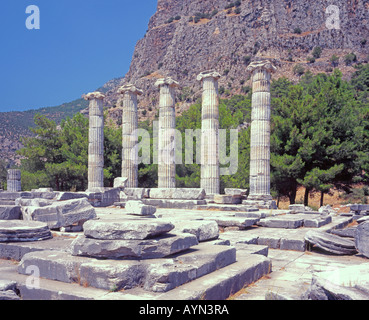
point(129, 134)
point(166, 134)
point(14, 180)
point(96, 141)
point(260, 131)
point(210, 132)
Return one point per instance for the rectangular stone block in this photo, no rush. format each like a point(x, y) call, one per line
point(10, 213)
point(177, 193)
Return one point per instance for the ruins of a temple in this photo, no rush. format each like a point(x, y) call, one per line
point(162, 243)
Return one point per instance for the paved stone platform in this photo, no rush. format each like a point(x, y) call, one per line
point(270, 263)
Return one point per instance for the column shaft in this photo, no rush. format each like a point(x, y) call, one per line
point(210, 171)
point(96, 141)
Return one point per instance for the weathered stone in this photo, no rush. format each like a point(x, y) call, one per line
point(8, 295)
point(120, 182)
point(362, 238)
point(63, 196)
point(37, 202)
point(235, 192)
point(103, 197)
point(96, 140)
point(327, 209)
point(226, 199)
point(166, 134)
point(349, 283)
point(346, 233)
point(132, 194)
point(14, 180)
point(10, 213)
point(23, 231)
point(241, 223)
point(210, 171)
point(203, 230)
point(6, 285)
point(188, 267)
point(260, 131)
point(125, 230)
point(61, 214)
point(331, 243)
point(140, 249)
point(174, 203)
point(129, 134)
point(177, 193)
point(285, 222)
point(139, 208)
point(296, 208)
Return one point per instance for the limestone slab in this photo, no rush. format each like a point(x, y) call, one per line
point(23, 231)
point(61, 214)
point(331, 243)
point(133, 249)
point(285, 222)
point(362, 238)
point(10, 212)
point(203, 230)
point(177, 193)
point(139, 208)
point(125, 230)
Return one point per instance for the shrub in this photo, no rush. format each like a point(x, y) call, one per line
point(246, 59)
point(311, 59)
point(334, 60)
point(190, 19)
point(177, 18)
point(350, 58)
point(317, 52)
point(298, 69)
point(237, 11)
point(226, 71)
point(297, 31)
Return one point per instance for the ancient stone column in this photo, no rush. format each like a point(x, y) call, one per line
point(210, 132)
point(166, 133)
point(14, 180)
point(129, 134)
point(260, 131)
point(96, 141)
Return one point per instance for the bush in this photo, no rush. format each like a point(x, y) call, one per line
point(177, 18)
point(334, 60)
point(317, 52)
point(311, 59)
point(190, 19)
point(247, 60)
point(350, 58)
point(297, 31)
point(237, 11)
point(298, 69)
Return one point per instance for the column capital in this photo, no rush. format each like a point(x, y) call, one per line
point(208, 74)
point(261, 65)
point(94, 96)
point(130, 88)
point(166, 81)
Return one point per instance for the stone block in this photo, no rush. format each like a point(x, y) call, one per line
point(132, 194)
point(174, 204)
point(23, 231)
point(177, 193)
point(125, 230)
point(63, 196)
point(235, 192)
point(362, 238)
point(10, 213)
point(284, 222)
point(61, 214)
point(226, 199)
point(203, 230)
point(120, 182)
point(138, 208)
point(133, 249)
point(296, 208)
point(331, 243)
point(241, 223)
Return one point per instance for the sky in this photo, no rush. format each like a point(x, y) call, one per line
point(79, 46)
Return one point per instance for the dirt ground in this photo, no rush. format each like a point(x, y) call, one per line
point(335, 199)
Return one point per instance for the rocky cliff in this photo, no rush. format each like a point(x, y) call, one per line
point(185, 37)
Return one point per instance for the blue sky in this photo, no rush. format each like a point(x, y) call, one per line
point(81, 45)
